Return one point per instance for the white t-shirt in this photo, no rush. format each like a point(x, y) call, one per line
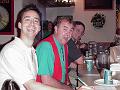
point(17, 63)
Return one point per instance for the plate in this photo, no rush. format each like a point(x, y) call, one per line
point(101, 82)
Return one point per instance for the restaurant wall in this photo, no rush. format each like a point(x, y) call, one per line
point(105, 34)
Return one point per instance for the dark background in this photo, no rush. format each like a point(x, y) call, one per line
point(98, 4)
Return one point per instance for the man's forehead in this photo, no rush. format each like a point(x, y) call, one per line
point(65, 22)
point(78, 29)
point(31, 13)
point(32, 17)
point(78, 25)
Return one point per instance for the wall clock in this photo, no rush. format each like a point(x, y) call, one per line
point(4, 17)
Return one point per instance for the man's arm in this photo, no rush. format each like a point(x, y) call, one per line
point(48, 80)
point(80, 60)
point(33, 85)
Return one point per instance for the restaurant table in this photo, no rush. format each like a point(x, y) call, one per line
point(86, 76)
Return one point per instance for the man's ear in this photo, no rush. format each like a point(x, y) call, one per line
point(55, 28)
point(19, 25)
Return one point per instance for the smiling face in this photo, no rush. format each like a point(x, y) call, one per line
point(78, 32)
point(50, 26)
point(30, 24)
point(64, 31)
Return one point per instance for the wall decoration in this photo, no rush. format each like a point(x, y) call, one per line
point(98, 20)
point(98, 4)
point(6, 17)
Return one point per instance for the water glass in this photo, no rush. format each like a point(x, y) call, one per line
point(89, 64)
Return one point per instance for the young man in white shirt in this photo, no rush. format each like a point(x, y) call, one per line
point(17, 58)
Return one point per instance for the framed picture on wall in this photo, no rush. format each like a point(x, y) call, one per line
point(98, 4)
point(6, 17)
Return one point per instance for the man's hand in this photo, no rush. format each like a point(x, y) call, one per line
point(83, 45)
point(80, 60)
point(48, 80)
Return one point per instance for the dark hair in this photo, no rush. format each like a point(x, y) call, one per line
point(78, 23)
point(21, 12)
point(10, 85)
point(58, 20)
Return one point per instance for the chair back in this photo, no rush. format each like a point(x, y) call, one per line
point(10, 85)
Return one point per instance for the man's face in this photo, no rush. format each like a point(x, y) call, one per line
point(78, 32)
point(64, 31)
point(50, 26)
point(30, 24)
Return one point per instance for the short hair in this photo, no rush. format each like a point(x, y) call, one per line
point(22, 11)
point(78, 23)
point(58, 20)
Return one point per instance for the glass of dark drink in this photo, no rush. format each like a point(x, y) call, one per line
point(101, 62)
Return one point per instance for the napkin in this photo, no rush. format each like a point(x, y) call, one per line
point(103, 88)
point(97, 88)
point(115, 67)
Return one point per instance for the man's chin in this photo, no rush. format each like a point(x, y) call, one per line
point(66, 40)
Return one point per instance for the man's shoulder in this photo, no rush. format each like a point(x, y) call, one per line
point(44, 44)
point(70, 41)
point(12, 47)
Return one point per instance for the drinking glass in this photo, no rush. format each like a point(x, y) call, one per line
point(102, 62)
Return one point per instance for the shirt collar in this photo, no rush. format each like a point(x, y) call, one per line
point(57, 42)
point(21, 44)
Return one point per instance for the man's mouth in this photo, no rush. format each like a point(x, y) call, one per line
point(66, 38)
point(31, 30)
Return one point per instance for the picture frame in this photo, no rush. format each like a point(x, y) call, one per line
point(98, 4)
point(6, 17)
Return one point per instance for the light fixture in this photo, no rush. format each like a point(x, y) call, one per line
point(63, 3)
point(57, 3)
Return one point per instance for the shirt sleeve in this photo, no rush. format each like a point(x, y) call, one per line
point(15, 65)
point(73, 52)
point(45, 59)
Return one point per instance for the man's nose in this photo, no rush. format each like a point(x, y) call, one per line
point(70, 32)
point(32, 22)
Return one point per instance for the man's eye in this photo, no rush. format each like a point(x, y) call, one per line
point(36, 21)
point(27, 19)
point(64, 29)
point(71, 30)
point(78, 30)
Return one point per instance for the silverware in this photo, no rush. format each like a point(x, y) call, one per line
point(82, 81)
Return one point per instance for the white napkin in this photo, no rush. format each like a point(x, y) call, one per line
point(104, 88)
point(97, 88)
point(115, 67)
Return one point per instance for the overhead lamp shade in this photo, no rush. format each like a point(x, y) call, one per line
point(57, 3)
point(63, 3)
